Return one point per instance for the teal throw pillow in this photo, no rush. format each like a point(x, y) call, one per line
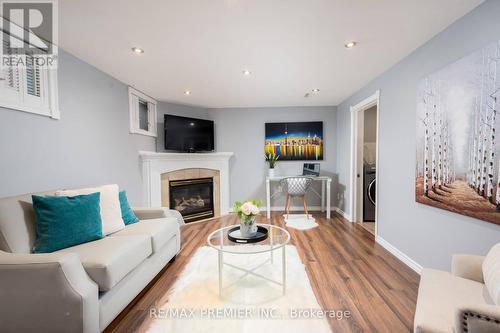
point(128, 215)
point(62, 222)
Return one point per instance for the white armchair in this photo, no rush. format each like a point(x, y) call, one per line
point(461, 301)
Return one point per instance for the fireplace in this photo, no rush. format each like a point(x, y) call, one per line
point(193, 198)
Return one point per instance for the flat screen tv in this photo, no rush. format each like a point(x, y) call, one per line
point(188, 134)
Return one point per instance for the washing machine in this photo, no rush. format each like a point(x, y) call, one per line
point(369, 186)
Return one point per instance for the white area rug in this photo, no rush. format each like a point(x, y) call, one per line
point(251, 304)
point(300, 221)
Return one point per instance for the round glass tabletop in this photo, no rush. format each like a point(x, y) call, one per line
point(277, 238)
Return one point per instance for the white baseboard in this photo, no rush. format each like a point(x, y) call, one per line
point(293, 208)
point(343, 214)
point(398, 254)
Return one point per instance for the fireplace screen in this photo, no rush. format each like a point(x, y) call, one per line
point(193, 198)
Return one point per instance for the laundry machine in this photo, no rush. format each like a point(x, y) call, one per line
point(369, 187)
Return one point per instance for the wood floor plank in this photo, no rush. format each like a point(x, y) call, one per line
point(346, 268)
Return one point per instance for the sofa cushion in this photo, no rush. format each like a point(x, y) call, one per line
point(159, 230)
point(17, 223)
point(111, 213)
point(491, 273)
point(62, 222)
point(439, 294)
point(110, 259)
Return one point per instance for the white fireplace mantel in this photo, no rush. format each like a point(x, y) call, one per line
point(155, 164)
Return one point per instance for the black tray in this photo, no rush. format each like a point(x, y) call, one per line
point(261, 235)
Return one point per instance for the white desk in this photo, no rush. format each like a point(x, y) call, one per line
point(325, 182)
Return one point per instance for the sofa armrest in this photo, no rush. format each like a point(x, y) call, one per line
point(477, 318)
point(148, 213)
point(468, 267)
point(46, 293)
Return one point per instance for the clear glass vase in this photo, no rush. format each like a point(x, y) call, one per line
point(248, 226)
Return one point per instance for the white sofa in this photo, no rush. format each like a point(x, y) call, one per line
point(84, 287)
point(467, 300)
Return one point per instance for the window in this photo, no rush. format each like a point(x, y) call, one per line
point(142, 113)
point(27, 86)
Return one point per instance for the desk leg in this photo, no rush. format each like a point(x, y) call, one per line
point(322, 196)
point(268, 198)
point(328, 201)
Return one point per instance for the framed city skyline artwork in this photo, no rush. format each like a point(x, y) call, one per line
point(295, 141)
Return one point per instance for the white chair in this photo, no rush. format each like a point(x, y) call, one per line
point(295, 187)
point(463, 301)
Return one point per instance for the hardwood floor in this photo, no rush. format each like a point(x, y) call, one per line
point(370, 226)
point(346, 268)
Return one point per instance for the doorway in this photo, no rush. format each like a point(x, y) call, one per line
point(364, 162)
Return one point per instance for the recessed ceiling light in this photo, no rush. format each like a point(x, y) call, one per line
point(350, 45)
point(315, 90)
point(187, 92)
point(137, 50)
point(246, 72)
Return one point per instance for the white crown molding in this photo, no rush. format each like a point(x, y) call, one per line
point(399, 254)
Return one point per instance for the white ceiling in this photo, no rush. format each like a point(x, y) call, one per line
point(291, 46)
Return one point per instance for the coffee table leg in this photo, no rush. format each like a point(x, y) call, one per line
point(272, 256)
point(283, 267)
point(221, 263)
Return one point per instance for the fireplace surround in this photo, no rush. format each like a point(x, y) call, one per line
point(158, 169)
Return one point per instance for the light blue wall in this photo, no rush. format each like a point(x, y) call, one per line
point(89, 145)
point(428, 235)
point(241, 130)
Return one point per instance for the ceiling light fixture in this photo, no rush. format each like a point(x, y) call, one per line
point(350, 45)
point(246, 72)
point(137, 50)
point(187, 92)
point(315, 90)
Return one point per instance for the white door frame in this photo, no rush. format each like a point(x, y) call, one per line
point(367, 103)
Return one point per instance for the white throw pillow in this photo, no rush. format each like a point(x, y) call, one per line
point(111, 214)
point(491, 273)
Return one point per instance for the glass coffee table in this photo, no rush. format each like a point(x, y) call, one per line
point(277, 239)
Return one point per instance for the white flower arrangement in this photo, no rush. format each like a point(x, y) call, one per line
point(247, 210)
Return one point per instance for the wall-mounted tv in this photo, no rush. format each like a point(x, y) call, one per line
point(191, 135)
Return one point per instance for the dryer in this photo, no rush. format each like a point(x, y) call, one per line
point(369, 187)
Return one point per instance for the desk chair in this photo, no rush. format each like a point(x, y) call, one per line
point(295, 187)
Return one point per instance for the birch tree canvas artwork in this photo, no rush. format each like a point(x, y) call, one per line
point(458, 157)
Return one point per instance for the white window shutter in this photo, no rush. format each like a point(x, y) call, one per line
point(10, 83)
point(135, 97)
point(134, 113)
point(33, 79)
point(35, 88)
point(28, 87)
point(152, 117)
